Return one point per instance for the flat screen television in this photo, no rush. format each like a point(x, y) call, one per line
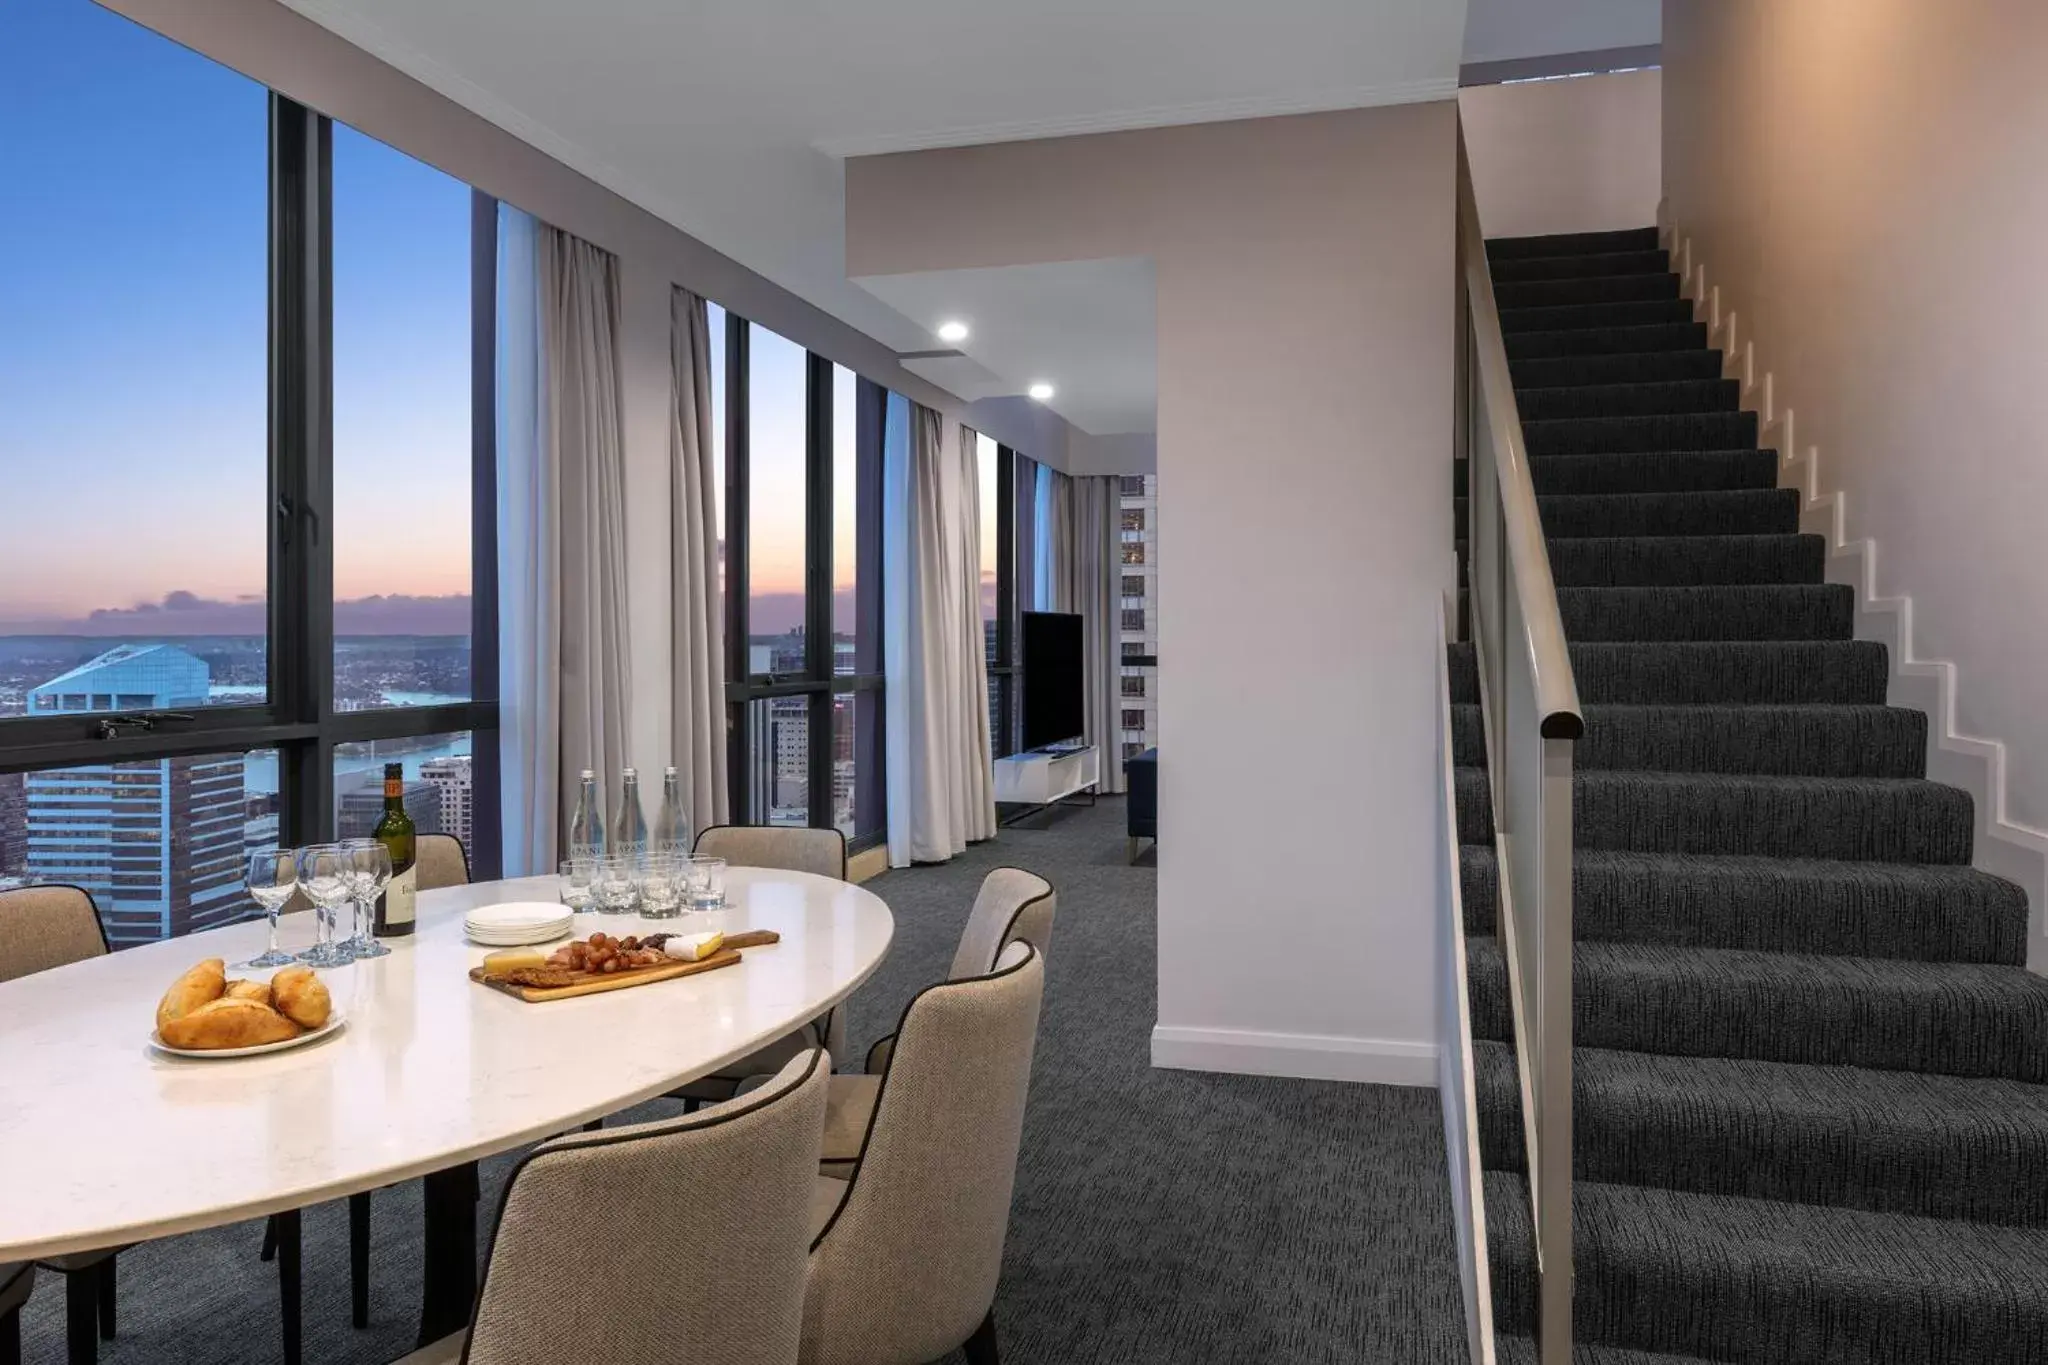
point(1054, 706)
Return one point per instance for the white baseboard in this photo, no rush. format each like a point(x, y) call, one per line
point(1304, 1056)
point(2003, 846)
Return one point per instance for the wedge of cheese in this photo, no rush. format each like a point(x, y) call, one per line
point(512, 959)
point(693, 947)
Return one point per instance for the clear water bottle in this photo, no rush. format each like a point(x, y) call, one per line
point(586, 826)
point(671, 825)
point(629, 826)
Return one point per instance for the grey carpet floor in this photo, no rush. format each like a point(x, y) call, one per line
point(1160, 1216)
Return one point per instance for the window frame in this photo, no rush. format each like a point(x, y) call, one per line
point(297, 719)
point(816, 681)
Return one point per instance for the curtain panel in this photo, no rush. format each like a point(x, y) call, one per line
point(564, 677)
point(697, 627)
point(941, 778)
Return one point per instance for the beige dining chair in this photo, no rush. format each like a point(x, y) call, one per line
point(1012, 904)
point(906, 1253)
point(705, 1262)
point(44, 927)
point(821, 852)
point(441, 860)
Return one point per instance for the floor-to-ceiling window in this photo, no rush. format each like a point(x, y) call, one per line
point(999, 466)
point(802, 517)
point(236, 560)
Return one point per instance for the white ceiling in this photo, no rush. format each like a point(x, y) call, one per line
point(1501, 30)
point(729, 119)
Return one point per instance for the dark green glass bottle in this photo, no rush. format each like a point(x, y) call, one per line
point(394, 831)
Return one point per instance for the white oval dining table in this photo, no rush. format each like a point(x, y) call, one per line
point(106, 1141)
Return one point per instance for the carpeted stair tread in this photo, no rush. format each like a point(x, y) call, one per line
point(1628, 367)
point(1956, 1019)
point(1731, 512)
point(1730, 672)
point(1672, 471)
point(1850, 819)
point(1578, 317)
point(1628, 287)
point(1808, 741)
point(1720, 611)
point(1570, 244)
point(1847, 1137)
point(1654, 261)
point(1619, 434)
point(1636, 399)
point(1686, 561)
point(1920, 913)
point(1605, 341)
point(1765, 1282)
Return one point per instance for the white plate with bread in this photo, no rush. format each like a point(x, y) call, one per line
point(204, 1014)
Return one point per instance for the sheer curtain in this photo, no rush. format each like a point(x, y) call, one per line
point(697, 628)
point(940, 776)
point(1097, 562)
point(563, 673)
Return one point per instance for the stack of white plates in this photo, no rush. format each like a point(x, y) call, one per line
point(516, 923)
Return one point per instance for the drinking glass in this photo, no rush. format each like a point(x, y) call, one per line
point(324, 873)
point(369, 871)
point(577, 876)
point(707, 884)
point(273, 875)
point(613, 885)
point(661, 886)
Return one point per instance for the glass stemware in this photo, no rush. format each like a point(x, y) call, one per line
point(324, 873)
point(273, 874)
point(369, 865)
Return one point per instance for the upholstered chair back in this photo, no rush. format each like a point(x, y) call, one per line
point(906, 1268)
point(1011, 904)
point(792, 849)
point(442, 861)
point(47, 926)
point(680, 1240)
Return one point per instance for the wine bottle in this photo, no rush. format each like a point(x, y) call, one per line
point(629, 825)
point(586, 826)
point(395, 917)
point(671, 825)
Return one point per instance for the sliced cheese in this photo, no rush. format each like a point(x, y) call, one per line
point(693, 947)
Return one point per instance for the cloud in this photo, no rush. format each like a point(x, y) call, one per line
point(181, 612)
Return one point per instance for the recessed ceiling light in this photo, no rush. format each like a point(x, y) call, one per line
point(953, 331)
point(1042, 391)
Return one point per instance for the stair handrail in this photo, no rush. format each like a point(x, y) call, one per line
point(1529, 704)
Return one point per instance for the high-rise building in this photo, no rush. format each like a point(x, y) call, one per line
point(157, 842)
point(1138, 640)
point(451, 776)
point(13, 825)
point(358, 807)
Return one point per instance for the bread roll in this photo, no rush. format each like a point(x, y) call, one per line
point(196, 987)
point(301, 997)
point(240, 989)
point(226, 1023)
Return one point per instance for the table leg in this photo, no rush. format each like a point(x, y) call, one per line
point(290, 1300)
point(448, 1283)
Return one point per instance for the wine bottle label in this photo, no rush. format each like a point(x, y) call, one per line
point(396, 906)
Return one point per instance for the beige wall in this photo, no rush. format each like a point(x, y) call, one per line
point(1304, 337)
point(1863, 179)
point(1578, 155)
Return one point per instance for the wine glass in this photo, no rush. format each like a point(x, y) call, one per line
point(369, 865)
point(273, 874)
point(324, 873)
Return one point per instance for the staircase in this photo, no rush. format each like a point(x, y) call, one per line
point(1810, 1073)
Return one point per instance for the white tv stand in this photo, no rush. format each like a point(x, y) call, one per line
point(1039, 779)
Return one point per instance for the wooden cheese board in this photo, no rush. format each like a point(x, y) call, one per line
point(596, 983)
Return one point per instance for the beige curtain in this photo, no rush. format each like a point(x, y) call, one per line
point(1096, 584)
point(584, 443)
point(697, 625)
point(940, 774)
